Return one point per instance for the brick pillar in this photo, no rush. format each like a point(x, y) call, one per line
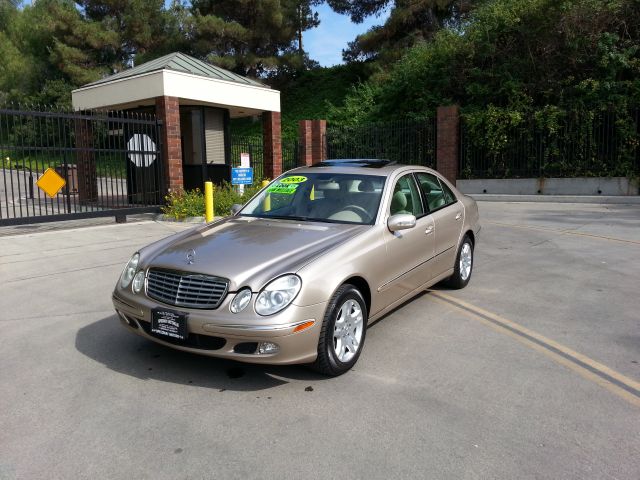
point(272, 144)
point(306, 142)
point(318, 140)
point(168, 111)
point(448, 129)
point(87, 177)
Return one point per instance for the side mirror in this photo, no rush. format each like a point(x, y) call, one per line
point(235, 208)
point(401, 221)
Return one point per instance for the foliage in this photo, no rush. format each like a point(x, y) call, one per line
point(309, 95)
point(518, 55)
point(410, 22)
point(184, 204)
point(550, 142)
point(253, 37)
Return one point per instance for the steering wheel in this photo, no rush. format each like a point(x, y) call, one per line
point(366, 216)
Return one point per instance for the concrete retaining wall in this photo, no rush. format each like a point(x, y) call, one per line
point(550, 186)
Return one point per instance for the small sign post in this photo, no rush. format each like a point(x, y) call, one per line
point(244, 175)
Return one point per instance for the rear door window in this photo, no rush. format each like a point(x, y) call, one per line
point(436, 194)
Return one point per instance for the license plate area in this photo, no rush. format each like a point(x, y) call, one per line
point(169, 324)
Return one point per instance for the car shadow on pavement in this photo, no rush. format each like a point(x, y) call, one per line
point(108, 343)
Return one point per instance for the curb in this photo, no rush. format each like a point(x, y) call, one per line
point(611, 200)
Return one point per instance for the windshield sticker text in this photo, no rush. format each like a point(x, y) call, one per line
point(286, 189)
point(293, 179)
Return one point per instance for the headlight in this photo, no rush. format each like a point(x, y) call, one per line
point(278, 294)
point(129, 271)
point(138, 282)
point(240, 301)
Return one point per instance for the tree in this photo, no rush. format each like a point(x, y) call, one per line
point(410, 22)
point(94, 38)
point(306, 19)
point(515, 58)
point(252, 37)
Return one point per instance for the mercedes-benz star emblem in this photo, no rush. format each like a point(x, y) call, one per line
point(191, 256)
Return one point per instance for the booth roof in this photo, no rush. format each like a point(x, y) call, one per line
point(180, 62)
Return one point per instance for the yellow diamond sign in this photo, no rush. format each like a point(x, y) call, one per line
point(50, 182)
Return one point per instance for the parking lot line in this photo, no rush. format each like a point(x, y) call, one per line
point(615, 382)
point(563, 232)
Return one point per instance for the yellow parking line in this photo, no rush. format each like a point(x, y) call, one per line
point(615, 382)
point(563, 232)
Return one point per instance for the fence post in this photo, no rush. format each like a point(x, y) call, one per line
point(448, 141)
point(86, 162)
point(318, 139)
point(272, 141)
point(306, 143)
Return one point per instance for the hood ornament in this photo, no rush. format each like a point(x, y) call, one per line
point(191, 256)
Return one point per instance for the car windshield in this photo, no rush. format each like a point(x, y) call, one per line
point(323, 197)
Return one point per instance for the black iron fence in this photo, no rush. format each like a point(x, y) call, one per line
point(253, 146)
point(110, 162)
point(405, 141)
point(574, 144)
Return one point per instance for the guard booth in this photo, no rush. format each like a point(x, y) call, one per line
point(194, 102)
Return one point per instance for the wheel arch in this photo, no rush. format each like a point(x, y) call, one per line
point(469, 233)
point(363, 287)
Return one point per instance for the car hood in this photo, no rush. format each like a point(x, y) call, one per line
point(248, 251)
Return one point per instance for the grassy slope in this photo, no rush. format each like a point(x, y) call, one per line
point(308, 97)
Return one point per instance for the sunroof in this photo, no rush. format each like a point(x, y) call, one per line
point(355, 162)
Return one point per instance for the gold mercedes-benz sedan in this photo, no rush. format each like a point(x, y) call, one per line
point(297, 274)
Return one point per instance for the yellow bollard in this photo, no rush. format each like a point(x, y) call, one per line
point(267, 199)
point(208, 201)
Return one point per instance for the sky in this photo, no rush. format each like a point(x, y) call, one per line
point(325, 43)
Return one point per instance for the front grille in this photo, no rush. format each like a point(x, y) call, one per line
point(190, 290)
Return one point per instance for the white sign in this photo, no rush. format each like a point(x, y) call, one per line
point(140, 143)
point(245, 160)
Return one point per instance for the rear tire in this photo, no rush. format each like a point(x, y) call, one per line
point(343, 332)
point(464, 265)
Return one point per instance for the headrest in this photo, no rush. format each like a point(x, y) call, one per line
point(426, 188)
point(398, 202)
point(329, 186)
point(365, 186)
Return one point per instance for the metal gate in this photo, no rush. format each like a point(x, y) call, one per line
point(255, 148)
point(111, 163)
point(408, 141)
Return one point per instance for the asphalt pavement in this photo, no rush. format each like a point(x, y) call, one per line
point(532, 371)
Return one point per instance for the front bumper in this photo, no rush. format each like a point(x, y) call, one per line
point(220, 333)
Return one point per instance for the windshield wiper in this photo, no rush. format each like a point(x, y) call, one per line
point(283, 217)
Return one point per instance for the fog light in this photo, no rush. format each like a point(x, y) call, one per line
point(267, 347)
point(138, 281)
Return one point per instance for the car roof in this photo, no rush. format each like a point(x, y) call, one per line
point(358, 166)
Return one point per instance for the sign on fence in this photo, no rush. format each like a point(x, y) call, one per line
point(241, 176)
point(245, 160)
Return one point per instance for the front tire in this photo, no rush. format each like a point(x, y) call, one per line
point(343, 332)
point(464, 265)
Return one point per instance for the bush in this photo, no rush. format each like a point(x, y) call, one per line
point(183, 204)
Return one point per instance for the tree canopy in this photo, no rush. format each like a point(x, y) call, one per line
point(410, 22)
point(515, 56)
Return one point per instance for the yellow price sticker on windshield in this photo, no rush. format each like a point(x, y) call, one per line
point(293, 179)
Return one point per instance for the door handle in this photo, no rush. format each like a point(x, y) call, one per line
point(429, 230)
point(458, 215)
